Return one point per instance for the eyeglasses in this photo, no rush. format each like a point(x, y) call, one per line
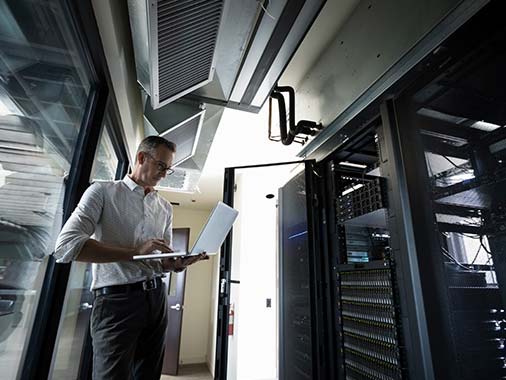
point(160, 165)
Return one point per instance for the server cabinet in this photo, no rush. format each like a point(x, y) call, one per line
point(451, 130)
point(449, 127)
point(440, 147)
point(300, 284)
point(367, 308)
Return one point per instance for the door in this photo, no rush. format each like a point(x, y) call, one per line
point(175, 283)
point(258, 267)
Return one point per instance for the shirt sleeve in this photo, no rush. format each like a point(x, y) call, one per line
point(81, 225)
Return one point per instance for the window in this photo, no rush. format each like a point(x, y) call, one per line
point(74, 323)
point(106, 161)
point(44, 90)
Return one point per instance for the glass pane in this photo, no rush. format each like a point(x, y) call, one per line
point(74, 323)
point(295, 283)
point(106, 161)
point(255, 300)
point(462, 128)
point(76, 312)
point(44, 89)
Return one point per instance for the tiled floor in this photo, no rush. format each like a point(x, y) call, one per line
point(191, 372)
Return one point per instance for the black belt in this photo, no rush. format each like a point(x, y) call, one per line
point(145, 286)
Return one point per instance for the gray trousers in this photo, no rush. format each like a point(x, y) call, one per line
point(128, 335)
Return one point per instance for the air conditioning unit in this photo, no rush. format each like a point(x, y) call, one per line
point(174, 45)
point(227, 52)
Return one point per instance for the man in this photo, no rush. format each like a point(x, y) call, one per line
point(128, 218)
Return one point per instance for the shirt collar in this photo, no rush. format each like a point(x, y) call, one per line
point(133, 186)
point(130, 183)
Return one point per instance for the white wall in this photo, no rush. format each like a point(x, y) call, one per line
point(197, 304)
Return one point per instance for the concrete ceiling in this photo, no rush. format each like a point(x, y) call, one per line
point(241, 138)
point(323, 31)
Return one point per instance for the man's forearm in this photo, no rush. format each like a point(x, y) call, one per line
point(94, 251)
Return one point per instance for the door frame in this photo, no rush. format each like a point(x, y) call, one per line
point(221, 359)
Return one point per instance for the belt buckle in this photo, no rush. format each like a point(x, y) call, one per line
point(149, 285)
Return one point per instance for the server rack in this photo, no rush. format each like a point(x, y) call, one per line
point(299, 268)
point(367, 327)
point(449, 127)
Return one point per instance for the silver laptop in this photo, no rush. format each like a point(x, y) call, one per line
point(211, 237)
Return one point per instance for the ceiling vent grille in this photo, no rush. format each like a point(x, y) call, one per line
point(179, 122)
point(179, 55)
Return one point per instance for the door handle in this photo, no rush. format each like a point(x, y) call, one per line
point(85, 306)
point(176, 307)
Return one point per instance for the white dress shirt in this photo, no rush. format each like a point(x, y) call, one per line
point(117, 213)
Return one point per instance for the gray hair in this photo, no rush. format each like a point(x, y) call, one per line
point(150, 143)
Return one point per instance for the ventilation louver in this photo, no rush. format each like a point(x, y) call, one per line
point(179, 122)
point(192, 127)
point(182, 180)
point(174, 45)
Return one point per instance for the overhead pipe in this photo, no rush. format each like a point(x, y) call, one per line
point(305, 127)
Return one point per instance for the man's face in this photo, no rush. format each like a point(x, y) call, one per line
point(154, 167)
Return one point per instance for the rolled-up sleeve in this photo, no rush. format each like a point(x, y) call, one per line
point(81, 224)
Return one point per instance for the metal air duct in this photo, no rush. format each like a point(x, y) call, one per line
point(257, 41)
point(191, 126)
point(174, 45)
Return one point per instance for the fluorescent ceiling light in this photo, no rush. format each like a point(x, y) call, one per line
point(484, 126)
point(481, 125)
point(352, 165)
point(441, 116)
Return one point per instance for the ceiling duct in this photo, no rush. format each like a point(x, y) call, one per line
point(192, 128)
point(257, 41)
point(179, 122)
point(174, 45)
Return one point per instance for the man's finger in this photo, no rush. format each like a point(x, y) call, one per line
point(157, 244)
point(163, 247)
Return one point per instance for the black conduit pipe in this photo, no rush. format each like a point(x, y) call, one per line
point(291, 105)
point(304, 126)
point(285, 138)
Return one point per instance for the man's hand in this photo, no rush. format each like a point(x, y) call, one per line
point(179, 264)
point(151, 245)
point(189, 260)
